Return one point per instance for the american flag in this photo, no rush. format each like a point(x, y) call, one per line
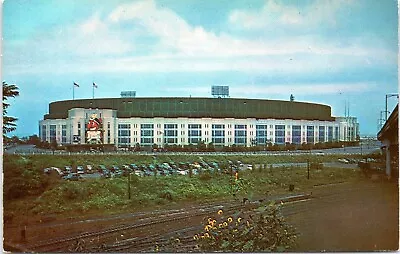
point(75, 84)
point(94, 85)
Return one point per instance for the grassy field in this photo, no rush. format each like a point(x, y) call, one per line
point(29, 192)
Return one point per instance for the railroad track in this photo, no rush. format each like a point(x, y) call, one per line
point(142, 228)
point(54, 245)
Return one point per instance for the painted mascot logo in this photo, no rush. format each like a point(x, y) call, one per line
point(94, 130)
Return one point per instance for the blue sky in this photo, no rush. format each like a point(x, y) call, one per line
point(321, 51)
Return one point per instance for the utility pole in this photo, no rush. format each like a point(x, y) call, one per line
point(129, 186)
point(388, 96)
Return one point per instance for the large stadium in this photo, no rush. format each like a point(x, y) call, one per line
point(128, 122)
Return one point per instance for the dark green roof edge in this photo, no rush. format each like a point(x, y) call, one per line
point(195, 107)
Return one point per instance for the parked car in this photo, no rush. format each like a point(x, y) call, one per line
point(172, 164)
point(183, 165)
point(101, 168)
point(53, 169)
point(343, 161)
point(89, 169)
point(106, 173)
point(118, 173)
point(67, 169)
point(133, 166)
point(80, 170)
point(148, 172)
point(126, 167)
point(143, 167)
point(182, 172)
point(72, 177)
point(139, 173)
point(114, 168)
point(214, 165)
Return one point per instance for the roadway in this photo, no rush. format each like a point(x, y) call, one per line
point(31, 149)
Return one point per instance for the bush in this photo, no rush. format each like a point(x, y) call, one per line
point(21, 178)
point(264, 229)
point(71, 192)
point(205, 176)
point(167, 194)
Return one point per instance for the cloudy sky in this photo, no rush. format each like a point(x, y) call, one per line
point(324, 51)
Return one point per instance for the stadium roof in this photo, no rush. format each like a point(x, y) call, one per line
point(172, 107)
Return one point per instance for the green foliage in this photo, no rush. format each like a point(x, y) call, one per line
point(24, 180)
point(9, 91)
point(21, 178)
point(205, 176)
point(263, 229)
point(71, 191)
point(167, 194)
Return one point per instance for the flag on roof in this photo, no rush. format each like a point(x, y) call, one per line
point(94, 85)
point(75, 84)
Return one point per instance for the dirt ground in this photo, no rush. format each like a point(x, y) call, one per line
point(362, 216)
point(353, 216)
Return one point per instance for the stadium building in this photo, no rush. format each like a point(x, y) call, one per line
point(126, 122)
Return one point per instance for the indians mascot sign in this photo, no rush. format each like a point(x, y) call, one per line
point(94, 130)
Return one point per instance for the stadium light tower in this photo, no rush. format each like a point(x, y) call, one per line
point(388, 96)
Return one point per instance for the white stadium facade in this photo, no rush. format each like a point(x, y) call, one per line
point(127, 122)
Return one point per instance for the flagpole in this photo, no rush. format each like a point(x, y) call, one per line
point(73, 91)
point(93, 89)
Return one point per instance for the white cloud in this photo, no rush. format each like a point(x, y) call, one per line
point(275, 13)
point(102, 45)
point(177, 36)
point(92, 37)
point(96, 37)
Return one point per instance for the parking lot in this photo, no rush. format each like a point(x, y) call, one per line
point(172, 168)
point(141, 170)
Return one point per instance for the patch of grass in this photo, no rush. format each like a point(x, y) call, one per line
point(26, 188)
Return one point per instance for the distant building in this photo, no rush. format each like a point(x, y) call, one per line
point(128, 94)
point(389, 136)
point(183, 121)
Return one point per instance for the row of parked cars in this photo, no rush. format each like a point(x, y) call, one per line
point(163, 169)
point(143, 170)
point(69, 172)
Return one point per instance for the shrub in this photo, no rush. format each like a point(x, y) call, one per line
point(167, 194)
point(71, 192)
point(21, 178)
point(205, 176)
point(263, 229)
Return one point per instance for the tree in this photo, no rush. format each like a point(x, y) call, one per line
point(9, 91)
point(154, 147)
point(34, 140)
point(291, 97)
point(53, 144)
